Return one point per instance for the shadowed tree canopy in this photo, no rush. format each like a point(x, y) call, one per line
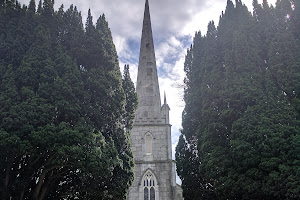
point(62, 106)
point(240, 137)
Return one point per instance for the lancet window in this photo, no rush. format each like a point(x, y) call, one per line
point(148, 144)
point(149, 186)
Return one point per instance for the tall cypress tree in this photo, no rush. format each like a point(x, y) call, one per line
point(241, 94)
point(131, 98)
point(40, 7)
point(31, 6)
point(61, 132)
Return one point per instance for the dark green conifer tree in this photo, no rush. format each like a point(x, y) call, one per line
point(61, 131)
point(131, 99)
point(40, 8)
point(241, 94)
point(32, 6)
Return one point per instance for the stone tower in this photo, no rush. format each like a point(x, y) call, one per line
point(154, 173)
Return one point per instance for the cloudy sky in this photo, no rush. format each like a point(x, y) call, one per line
point(174, 23)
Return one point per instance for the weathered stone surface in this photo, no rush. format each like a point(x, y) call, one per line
point(151, 122)
point(147, 81)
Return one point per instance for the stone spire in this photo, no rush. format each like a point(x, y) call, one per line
point(151, 133)
point(147, 80)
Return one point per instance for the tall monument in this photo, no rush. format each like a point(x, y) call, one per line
point(154, 173)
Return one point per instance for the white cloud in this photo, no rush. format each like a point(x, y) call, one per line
point(120, 43)
point(175, 42)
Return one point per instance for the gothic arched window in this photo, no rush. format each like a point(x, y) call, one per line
point(148, 144)
point(149, 186)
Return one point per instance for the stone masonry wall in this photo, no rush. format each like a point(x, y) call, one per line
point(159, 162)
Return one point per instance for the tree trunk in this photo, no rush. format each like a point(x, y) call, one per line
point(44, 192)
point(40, 183)
point(22, 195)
point(7, 171)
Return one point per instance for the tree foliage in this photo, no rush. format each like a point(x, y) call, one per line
point(241, 119)
point(131, 98)
point(61, 106)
